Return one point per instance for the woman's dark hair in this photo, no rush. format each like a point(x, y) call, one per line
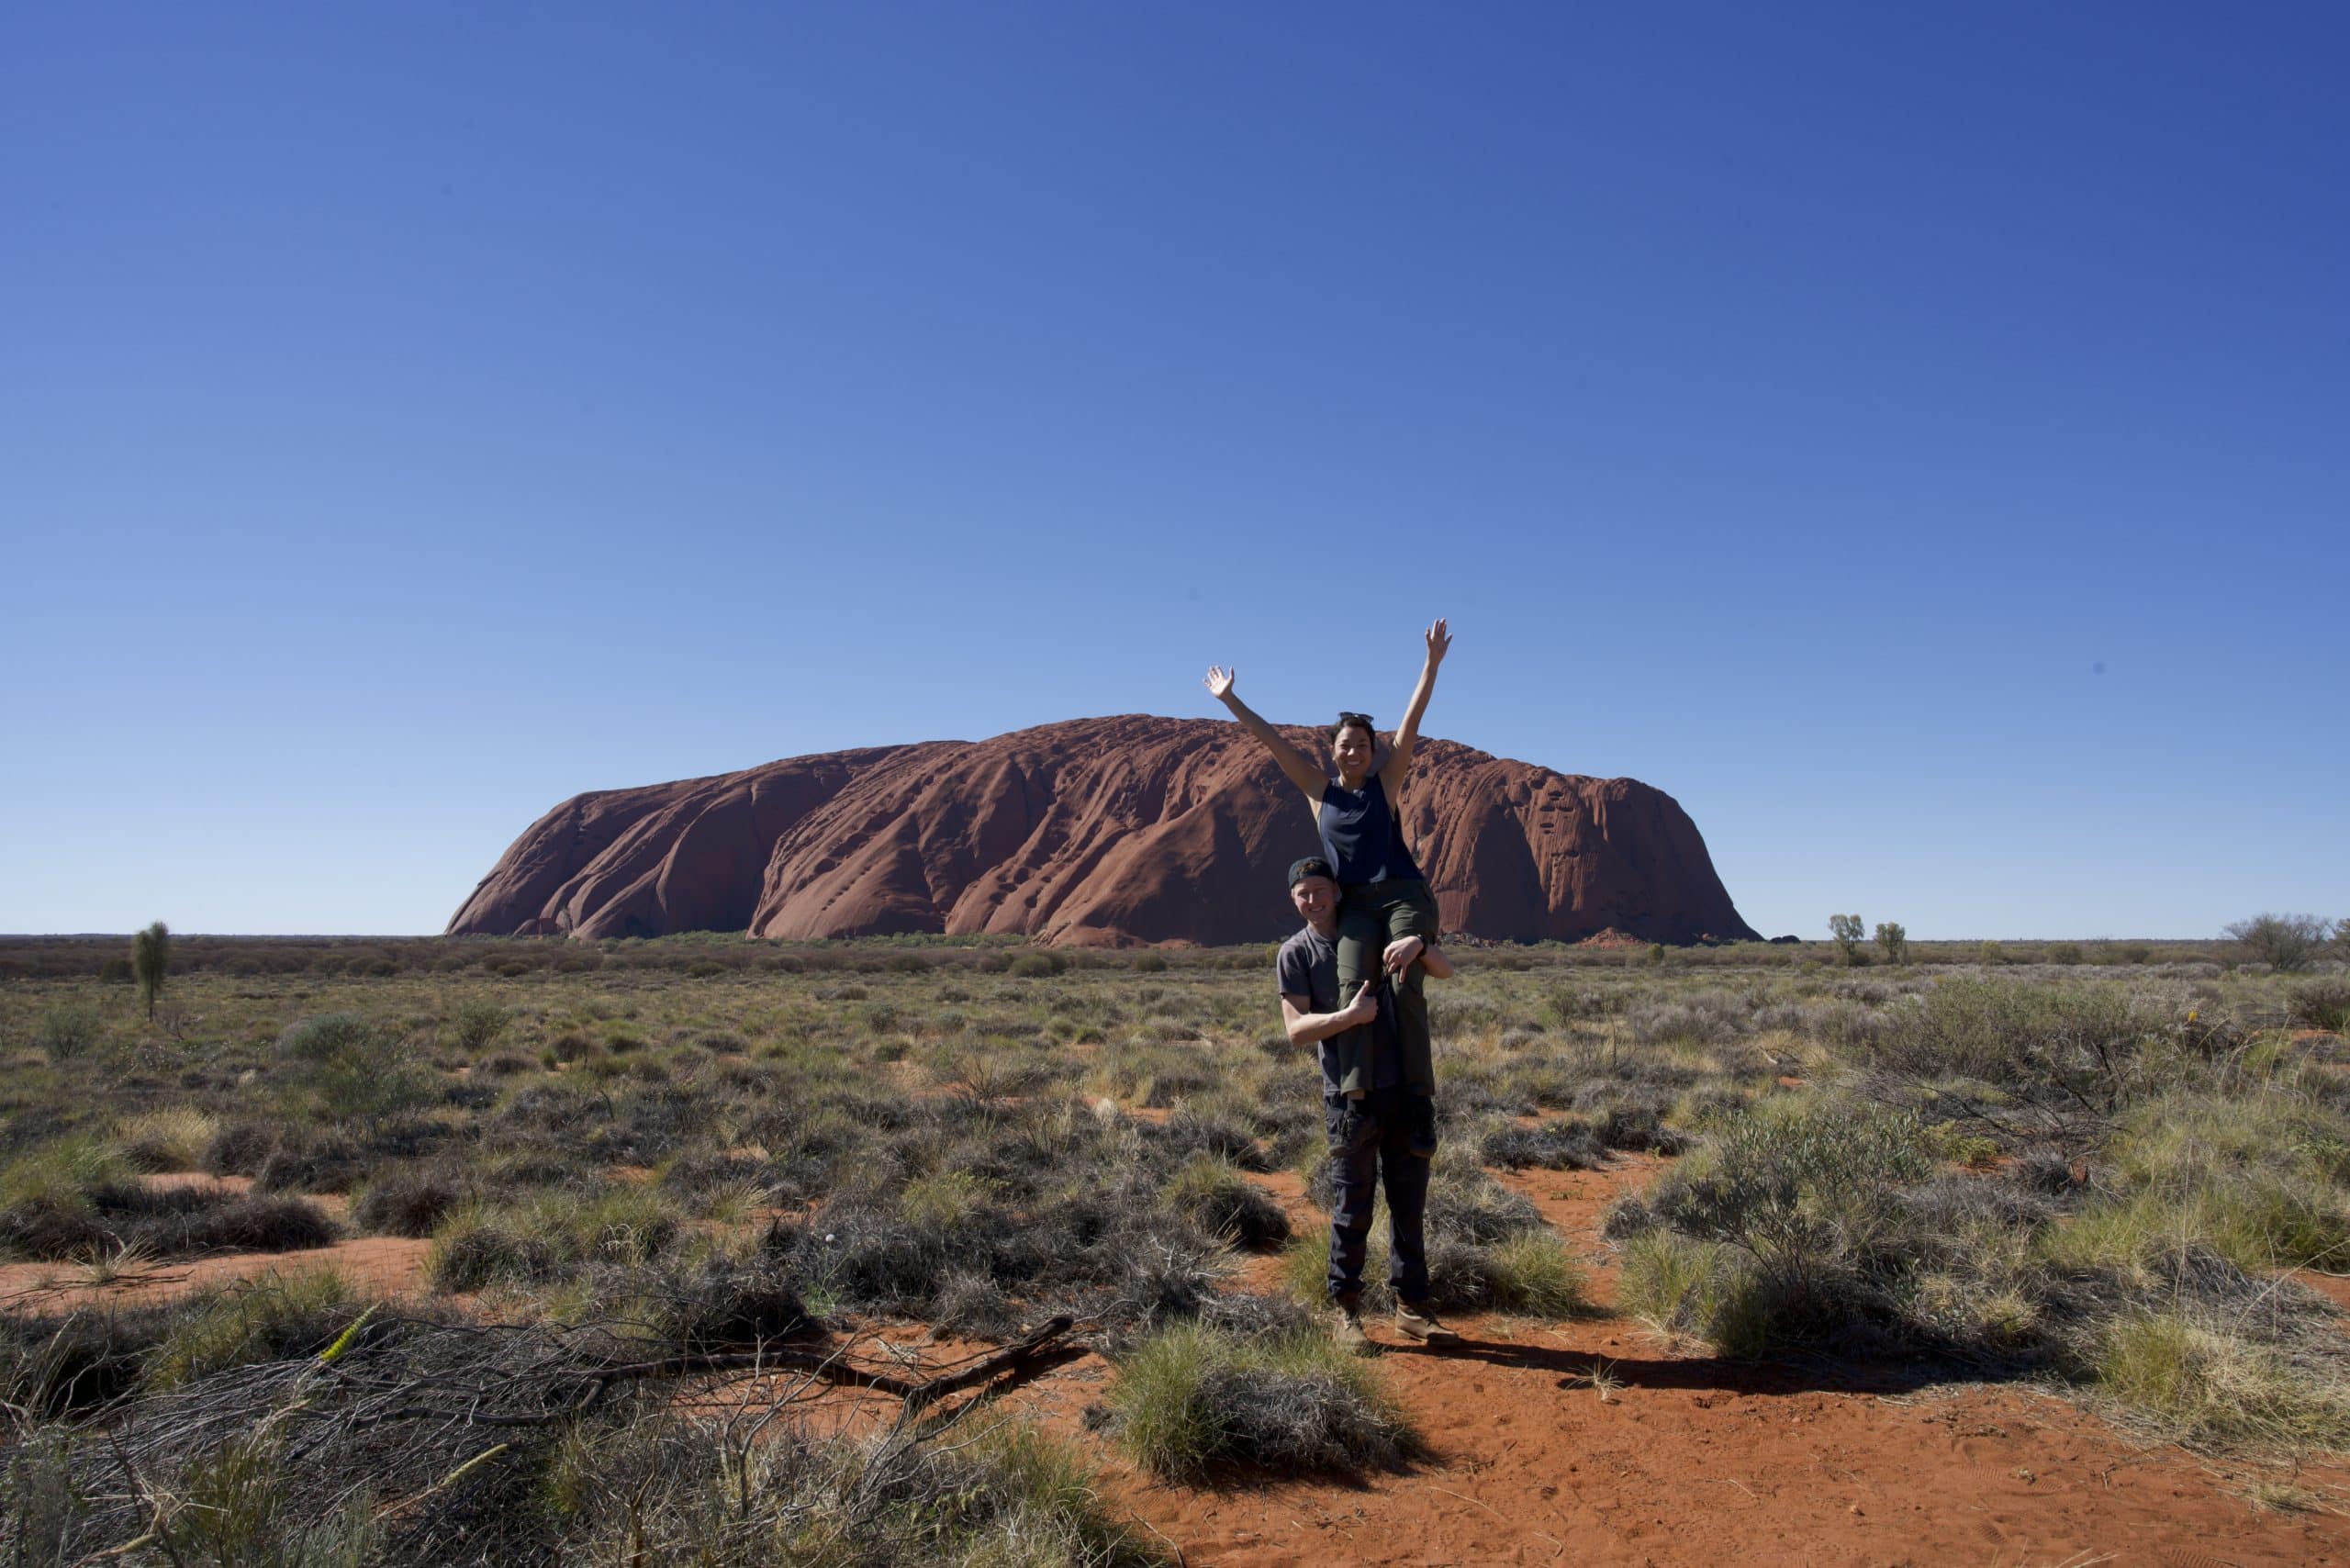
point(1353, 721)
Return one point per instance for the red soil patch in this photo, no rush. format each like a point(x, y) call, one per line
point(2335, 1288)
point(373, 1265)
point(198, 1180)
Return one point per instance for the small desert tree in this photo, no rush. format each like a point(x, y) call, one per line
point(1894, 940)
point(150, 962)
point(2280, 941)
point(2341, 933)
point(1846, 929)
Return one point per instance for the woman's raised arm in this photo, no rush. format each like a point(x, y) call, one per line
point(1393, 767)
point(1294, 764)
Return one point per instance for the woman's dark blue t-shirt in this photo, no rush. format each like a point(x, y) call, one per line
point(1360, 835)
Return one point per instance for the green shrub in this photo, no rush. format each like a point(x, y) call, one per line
point(475, 1025)
point(1037, 966)
point(2322, 1004)
point(2056, 1053)
point(356, 1071)
point(67, 1031)
point(327, 1036)
point(2063, 953)
point(1807, 1192)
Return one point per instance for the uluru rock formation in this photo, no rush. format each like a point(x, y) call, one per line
point(1095, 832)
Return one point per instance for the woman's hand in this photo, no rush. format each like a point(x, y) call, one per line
point(1219, 681)
point(1439, 642)
point(1400, 954)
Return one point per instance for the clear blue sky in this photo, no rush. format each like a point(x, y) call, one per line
point(1912, 437)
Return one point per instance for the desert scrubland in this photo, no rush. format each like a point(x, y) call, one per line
point(701, 1249)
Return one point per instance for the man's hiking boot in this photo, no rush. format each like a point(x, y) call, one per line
point(1415, 1323)
point(1345, 1328)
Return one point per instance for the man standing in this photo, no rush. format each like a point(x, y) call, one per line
point(1371, 1129)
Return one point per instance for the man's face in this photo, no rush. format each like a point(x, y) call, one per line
point(1316, 899)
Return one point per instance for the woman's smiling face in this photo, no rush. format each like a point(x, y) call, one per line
point(1352, 747)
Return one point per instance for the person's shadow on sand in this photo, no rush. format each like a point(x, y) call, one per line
point(1803, 1375)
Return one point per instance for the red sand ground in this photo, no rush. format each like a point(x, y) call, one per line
point(1677, 1459)
point(1686, 1460)
point(1693, 1460)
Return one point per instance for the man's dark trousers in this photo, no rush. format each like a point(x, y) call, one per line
point(1370, 1142)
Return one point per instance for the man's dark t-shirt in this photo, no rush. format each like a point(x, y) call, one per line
point(1308, 967)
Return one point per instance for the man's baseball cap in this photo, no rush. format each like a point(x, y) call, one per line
point(1310, 866)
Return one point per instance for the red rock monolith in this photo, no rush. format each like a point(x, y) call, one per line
point(1094, 832)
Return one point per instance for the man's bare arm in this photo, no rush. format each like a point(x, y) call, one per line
point(1295, 765)
point(1307, 1028)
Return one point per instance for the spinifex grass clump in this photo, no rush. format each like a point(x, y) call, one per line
point(1214, 1196)
point(77, 1199)
point(2262, 1179)
point(170, 1139)
point(1565, 1145)
point(2197, 1375)
point(1191, 1400)
point(412, 1203)
point(549, 1237)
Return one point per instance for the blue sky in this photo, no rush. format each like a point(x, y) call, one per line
point(1915, 442)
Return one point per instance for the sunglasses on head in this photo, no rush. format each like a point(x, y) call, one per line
point(1345, 719)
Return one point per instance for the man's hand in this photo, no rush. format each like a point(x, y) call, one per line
point(1439, 642)
point(1365, 1007)
point(1400, 954)
point(1219, 682)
